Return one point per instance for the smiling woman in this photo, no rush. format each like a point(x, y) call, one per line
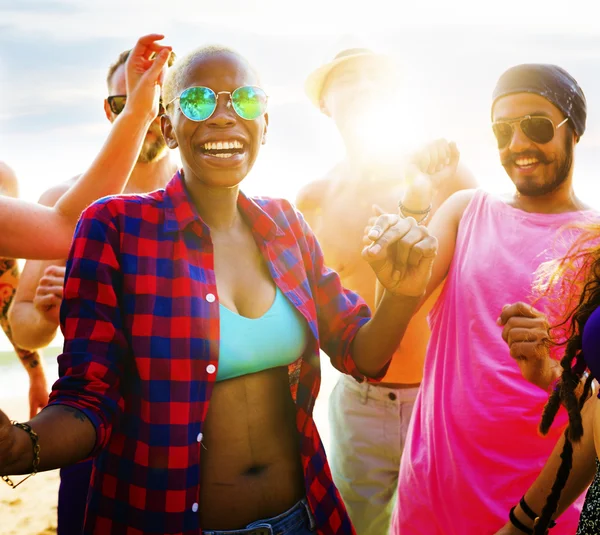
point(191, 432)
point(202, 114)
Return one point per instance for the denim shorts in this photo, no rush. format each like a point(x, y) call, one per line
point(295, 521)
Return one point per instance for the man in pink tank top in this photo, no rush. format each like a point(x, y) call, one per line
point(473, 445)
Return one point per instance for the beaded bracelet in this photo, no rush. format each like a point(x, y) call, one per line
point(406, 212)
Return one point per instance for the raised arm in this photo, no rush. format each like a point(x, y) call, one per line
point(21, 222)
point(34, 312)
point(439, 182)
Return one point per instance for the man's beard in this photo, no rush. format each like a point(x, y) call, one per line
point(152, 150)
point(530, 189)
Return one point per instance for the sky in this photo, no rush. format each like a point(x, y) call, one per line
point(54, 55)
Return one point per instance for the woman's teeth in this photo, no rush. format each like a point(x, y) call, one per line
point(223, 145)
point(223, 149)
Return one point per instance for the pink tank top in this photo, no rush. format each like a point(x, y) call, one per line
point(473, 446)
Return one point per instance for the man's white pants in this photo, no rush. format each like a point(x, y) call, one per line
point(368, 426)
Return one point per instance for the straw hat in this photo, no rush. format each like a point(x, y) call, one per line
point(315, 81)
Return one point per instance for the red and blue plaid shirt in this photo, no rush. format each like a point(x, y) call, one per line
point(140, 318)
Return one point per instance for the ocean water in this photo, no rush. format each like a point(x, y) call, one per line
point(14, 380)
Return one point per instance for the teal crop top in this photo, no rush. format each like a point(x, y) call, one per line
point(249, 345)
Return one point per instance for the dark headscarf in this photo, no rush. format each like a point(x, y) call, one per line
point(551, 82)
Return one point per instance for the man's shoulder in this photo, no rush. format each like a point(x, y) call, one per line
point(457, 203)
point(51, 195)
point(314, 191)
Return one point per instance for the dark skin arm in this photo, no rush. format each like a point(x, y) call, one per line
point(66, 437)
point(377, 340)
point(580, 477)
point(401, 254)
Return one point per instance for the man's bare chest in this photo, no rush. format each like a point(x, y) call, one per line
point(342, 215)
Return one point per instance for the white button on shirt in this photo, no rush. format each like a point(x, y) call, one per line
point(211, 368)
point(195, 508)
point(210, 298)
point(199, 437)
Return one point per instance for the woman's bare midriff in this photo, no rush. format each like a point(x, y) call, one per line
point(250, 459)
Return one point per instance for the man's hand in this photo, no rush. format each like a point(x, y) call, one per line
point(401, 253)
point(526, 331)
point(145, 70)
point(49, 294)
point(438, 160)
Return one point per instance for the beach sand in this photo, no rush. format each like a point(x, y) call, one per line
point(31, 508)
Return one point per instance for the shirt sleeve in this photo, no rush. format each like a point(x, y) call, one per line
point(340, 312)
point(95, 347)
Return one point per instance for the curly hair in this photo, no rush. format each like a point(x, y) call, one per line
point(576, 279)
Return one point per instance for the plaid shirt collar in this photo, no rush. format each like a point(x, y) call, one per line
point(180, 212)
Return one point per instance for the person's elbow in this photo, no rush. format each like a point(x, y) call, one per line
point(61, 230)
point(23, 332)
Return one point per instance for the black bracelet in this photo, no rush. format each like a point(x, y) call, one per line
point(407, 212)
point(517, 523)
point(529, 512)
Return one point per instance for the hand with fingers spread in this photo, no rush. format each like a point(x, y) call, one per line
point(49, 293)
point(526, 331)
point(401, 253)
point(145, 71)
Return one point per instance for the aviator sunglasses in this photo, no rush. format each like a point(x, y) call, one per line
point(117, 103)
point(537, 128)
point(199, 103)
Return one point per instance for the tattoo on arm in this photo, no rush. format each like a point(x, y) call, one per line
point(7, 293)
point(78, 415)
point(7, 264)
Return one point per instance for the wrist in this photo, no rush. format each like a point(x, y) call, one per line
point(37, 375)
point(135, 118)
point(420, 215)
point(20, 455)
point(522, 517)
point(401, 300)
point(552, 378)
